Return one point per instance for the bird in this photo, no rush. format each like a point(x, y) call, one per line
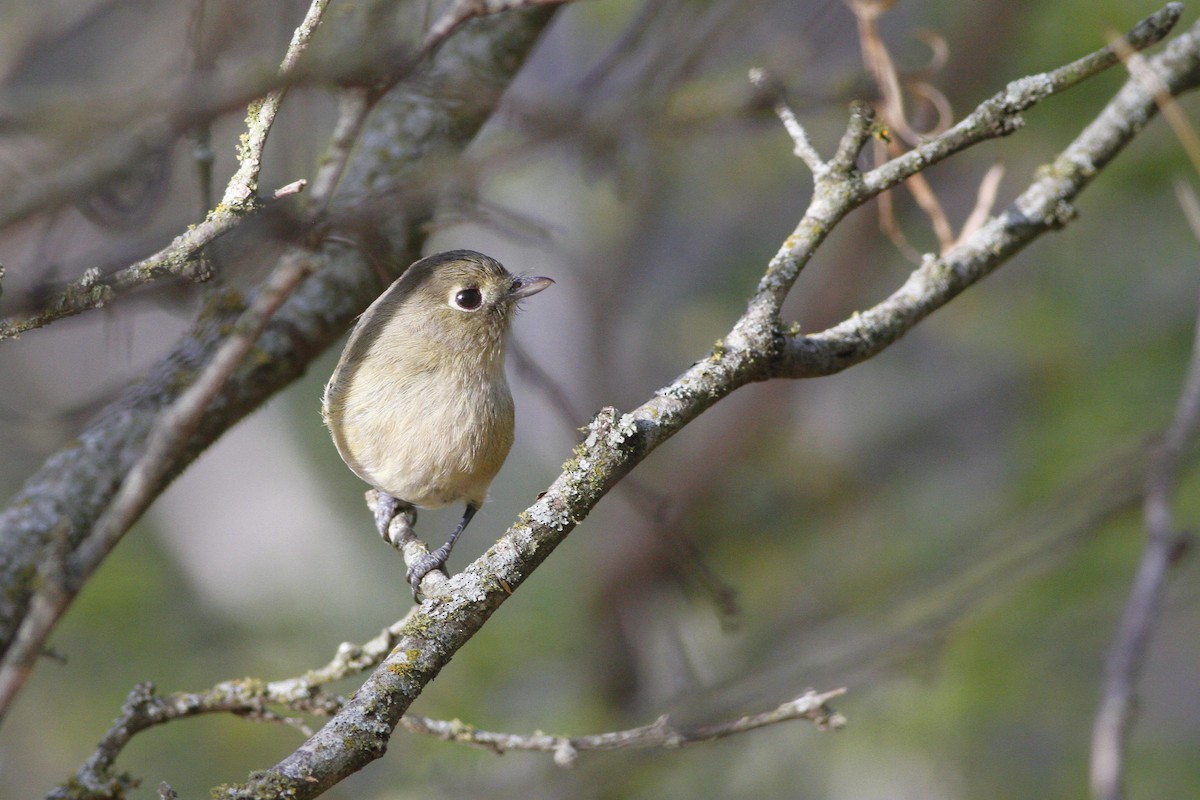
point(418, 405)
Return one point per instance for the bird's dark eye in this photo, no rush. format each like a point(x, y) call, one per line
point(468, 299)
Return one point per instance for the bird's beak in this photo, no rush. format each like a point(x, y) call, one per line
point(527, 285)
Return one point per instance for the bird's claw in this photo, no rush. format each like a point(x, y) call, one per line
point(422, 566)
point(387, 508)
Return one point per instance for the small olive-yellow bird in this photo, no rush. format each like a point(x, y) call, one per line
point(418, 404)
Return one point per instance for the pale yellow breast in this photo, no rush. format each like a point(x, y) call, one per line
point(431, 438)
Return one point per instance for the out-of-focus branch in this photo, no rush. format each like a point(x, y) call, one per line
point(171, 433)
point(180, 259)
point(463, 11)
point(1132, 642)
point(353, 107)
point(1163, 543)
point(163, 114)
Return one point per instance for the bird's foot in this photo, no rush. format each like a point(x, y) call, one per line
point(423, 565)
point(387, 508)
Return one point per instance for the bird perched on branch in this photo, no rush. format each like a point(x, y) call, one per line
point(418, 404)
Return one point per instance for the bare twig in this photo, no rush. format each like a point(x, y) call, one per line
point(1129, 648)
point(242, 189)
point(661, 733)
point(144, 709)
point(1132, 641)
point(353, 107)
point(1188, 202)
point(892, 113)
point(200, 62)
point(802, 145)
point(985, 200)
point(887, 78)
point(179, 259)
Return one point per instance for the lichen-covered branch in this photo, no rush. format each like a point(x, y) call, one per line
point(242, 190)
point(1045, 206)
point(179, 259)
point(182, 257)
point(144, 709)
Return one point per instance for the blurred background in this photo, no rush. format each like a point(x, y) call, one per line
point(948, 530)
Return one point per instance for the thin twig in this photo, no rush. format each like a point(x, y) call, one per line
point(144, 709)
point(1131, 644)
point(354, 105)
point(242, 189)
point(985, 200)
point(802, 145)
point(1189, 203)
point(93, 290)
point(661, 733)
point(200, 63)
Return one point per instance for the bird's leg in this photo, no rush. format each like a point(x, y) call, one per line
point(386, 509)
point(437, 559)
